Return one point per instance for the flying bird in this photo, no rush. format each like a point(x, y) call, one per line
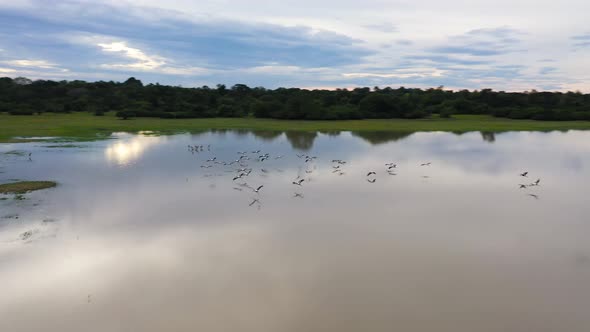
point(524, 174)
point(371, 173)
point(298, 182)
point(426, 164)
point(522, 186)
point(372, 180)
point(258, 189)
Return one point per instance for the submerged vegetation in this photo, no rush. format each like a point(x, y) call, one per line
point(134, 99)
point(23, 187)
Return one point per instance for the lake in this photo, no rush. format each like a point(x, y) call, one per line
point(143, 233)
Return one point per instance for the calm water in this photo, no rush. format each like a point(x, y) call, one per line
point(139, 237)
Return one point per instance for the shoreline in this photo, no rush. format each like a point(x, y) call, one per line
point(85, 126)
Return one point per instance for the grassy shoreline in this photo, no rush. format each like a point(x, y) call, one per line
point(23, 187)
point(84, 126)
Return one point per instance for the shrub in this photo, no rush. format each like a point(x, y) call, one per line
point(126, 114)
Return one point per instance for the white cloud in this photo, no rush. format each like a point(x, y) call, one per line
point(31, 63)
point(143, 61)
point(400, 73)
point(7, 70)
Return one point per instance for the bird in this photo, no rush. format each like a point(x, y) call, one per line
point(298, 182)
point(524, 174)
point(392, 166)
point(522, 186)
point(258, 189)
point(536, 183)
point(212, 159)
point(426, 164)
point(372, 180)
point(300, 195)
point(255, 200)
point(238, 177)
point(371, 173)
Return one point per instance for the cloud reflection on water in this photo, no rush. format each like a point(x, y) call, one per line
point(167, 245)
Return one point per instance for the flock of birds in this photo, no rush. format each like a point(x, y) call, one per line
point(535, 183)
point(242, 167)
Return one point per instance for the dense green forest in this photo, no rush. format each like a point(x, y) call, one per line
point(21, 96)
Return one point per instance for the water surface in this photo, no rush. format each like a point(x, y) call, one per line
point(139, 236)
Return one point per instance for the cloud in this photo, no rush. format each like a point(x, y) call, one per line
point(482, 42)
point(31, 64)
point(382, 27)
point(581, 41)
point(401, 73)
point(286, 44)
point(447, 60)
point(142, 60)
point(547, 70)
point(7, 71)
point(24, 67)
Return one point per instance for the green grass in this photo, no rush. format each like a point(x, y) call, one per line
point(84, 126)
point(23, 187)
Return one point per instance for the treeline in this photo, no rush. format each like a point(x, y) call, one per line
point(21, 96)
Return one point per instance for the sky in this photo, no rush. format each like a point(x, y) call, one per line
point(508, 45)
